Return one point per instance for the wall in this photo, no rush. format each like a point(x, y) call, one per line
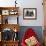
point(37, 29)
point(32, 4)
point(27, 4)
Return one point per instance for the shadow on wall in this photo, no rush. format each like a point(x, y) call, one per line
point(37, 29)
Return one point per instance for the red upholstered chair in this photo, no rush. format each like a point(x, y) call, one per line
point(29, 33)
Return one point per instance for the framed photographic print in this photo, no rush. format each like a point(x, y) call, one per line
point(5, 12)
point(13, 12)
point(29, 13)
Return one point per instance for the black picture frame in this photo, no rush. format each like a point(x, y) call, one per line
point(30, 13)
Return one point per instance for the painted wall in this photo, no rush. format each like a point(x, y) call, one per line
point(37, 29)
point(32, 4)
point(26, 4)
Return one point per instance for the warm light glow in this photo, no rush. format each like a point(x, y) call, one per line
point(0, 36)
point(0, 17)
point(15, 30)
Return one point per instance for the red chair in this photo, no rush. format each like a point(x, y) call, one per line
point(29, 33)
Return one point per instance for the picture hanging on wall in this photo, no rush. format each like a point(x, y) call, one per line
point(29, 13)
